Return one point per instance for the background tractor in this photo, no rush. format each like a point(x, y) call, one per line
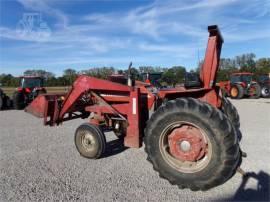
point(30, 87)
point(264, 82)
point(152, 78)
point(241, 84)
point(190, 133)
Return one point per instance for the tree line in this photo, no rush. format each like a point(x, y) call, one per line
point(171, 76)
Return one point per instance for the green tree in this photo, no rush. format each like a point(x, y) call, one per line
point(99, 72)
point(70, 75)
point(38, 72)
point(134, 73)
point(227, 64)
point(246, 62)
point(146, 69)
point(9, 80)
point(174, 75)
point(263, 65)
point(226, 67)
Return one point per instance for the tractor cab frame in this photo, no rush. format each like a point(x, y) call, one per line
point(31, 82)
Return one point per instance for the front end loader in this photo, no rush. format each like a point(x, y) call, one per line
point(190, 133)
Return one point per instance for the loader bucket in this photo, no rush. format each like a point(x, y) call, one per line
point(37, 107)
point(45, 106)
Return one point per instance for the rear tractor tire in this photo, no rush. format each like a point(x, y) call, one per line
point(229, 109)
point(236, 92)
point(90, 141)
point(256, 91)
point(18, 100)
point(192, 144)
point(231, 112)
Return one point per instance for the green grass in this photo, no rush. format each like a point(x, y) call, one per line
point(59, 89)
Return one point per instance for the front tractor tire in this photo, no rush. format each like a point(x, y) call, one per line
point(90, 141)
point(237, 92)
point(192, 144)
point(265, 92)
point(1, 102)
point(18, 100)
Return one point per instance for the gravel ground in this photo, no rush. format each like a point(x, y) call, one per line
point(41, 163)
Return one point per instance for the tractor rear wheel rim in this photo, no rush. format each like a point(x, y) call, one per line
point(176, 156)
point(88, 141)
point(234, 91)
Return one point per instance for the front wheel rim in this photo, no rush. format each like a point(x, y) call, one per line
point(88, 141)
point(265, 92)
point(184, 165)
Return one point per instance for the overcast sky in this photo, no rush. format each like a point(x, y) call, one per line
point(55, 35)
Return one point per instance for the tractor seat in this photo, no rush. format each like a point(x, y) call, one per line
point(192, 80)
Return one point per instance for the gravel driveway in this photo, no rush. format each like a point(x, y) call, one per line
point(41, 163)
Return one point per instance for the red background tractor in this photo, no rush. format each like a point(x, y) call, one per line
point(241, 84)
point(30, 87)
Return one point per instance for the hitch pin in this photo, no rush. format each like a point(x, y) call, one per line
point(244, 154)
point(241, 171)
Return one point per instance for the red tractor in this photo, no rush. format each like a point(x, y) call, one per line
point(30, 88)
point(190, 134)
point(241, 84)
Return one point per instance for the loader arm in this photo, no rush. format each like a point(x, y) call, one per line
point(84, 84)
point(210, 66)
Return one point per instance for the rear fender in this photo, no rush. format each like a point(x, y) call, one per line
point(213, 97)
